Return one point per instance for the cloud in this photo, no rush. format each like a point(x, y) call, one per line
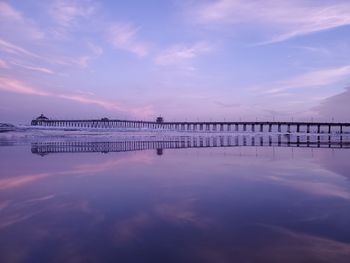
point(81, 61)
point(8, 47)
point(34, 68)
point(124, 37)
point(179, 54)
point(13, 23)
point(66, 12)
point(15, 86)
point(226, 105)
point(9, 12)
point(3, 64)
point(11, 85)
point(316, 78)
point(96, 50)
point(336, 106)
point(282, 20)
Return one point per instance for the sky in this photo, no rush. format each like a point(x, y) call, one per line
point(180, 59)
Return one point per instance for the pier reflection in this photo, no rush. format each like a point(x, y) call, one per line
point(178, 142)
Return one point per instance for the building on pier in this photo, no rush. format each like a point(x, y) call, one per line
point(159, 120)
point(42, 117)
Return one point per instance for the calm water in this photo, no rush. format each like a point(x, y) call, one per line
point(88, 199)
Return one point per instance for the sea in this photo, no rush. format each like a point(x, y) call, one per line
point(87, 196)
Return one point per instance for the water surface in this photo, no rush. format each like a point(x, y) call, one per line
point(80, 198)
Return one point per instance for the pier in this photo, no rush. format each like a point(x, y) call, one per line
point(198, 126)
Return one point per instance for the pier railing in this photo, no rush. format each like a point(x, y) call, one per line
point(241, 126)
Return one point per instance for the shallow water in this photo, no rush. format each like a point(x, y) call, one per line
point(160, 198)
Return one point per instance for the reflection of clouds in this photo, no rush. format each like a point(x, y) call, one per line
point(108, 165)
point(11, 219)
point(130, 229)
point(337, 163)
point(4, 204)
point(45, 220)
point(18, 181)
point(178, 203)
point(84, 169)
point(177, 214)
point(312, 176)
point(15, 212)
point(182, 212)
point(274, 244)
point(39, 199)
point(313, 187)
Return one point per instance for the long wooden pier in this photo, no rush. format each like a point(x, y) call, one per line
point(226, 126)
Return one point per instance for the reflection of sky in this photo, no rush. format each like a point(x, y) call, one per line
point(195, 205)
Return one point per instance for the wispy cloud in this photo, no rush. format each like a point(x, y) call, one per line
point(179, 54)
point(316, 78)
point(15, 86)
point(84, 60)
point(26, 55)
point(124, 37)
point(336, 106)
point(66, 12)
point(226, 105)
point(12, 21)
point(4, 64)
point(11, 48)
point(96, 50)
point(9, 12)
point(282, 20)
point(12, 85)
point(33, 68)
